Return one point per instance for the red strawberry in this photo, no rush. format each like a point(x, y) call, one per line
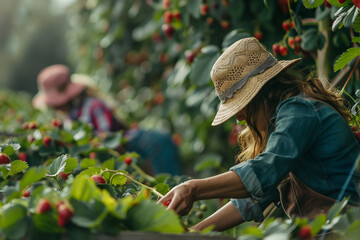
point(166, 4)
point(56, 123)
point(291, 42)
point(167, 203)
point(46, 141)
point(298, 39)
point(168, 17)
point(225, 24)
point(25, 125)
point(26, 193)
point(92, 155)
point(286, 26)
point(177, 15)
point(4, 159)
point(327, 4)
point(30, 138)
point(98, 179)
point(276, 49)
point(43, 206)
point(22, 156)
point(210, 20)
point(64, 175)
point(356, 3)
point(297, 49)
point(33, 125)
point(305, 232)
point(189, 55)
point(292, 24)
point(341, 1)
point(128, 160)
point(204, 9)
point(168, 30)
point(65, 213)
point(258, 35)
point(283, 50)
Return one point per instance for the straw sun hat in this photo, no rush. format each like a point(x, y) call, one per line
point(239, 74)
point(56, 86)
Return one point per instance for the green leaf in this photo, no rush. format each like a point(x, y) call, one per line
point(355, 39)
point(4, 171)
point(234, 36)
point(87, 162)
point(317, 223)
point(201, 67)
point(109, 164)
point(84, 189)
point(47, 222)
point(353, 232)
point(71, 164)
point(118, 180)
point(348, 19)
point(336, 209)
point(10, 149)
point(124, 204)
point(66, 136)
point(147, 216)
point(337, 4)
point(309, 39)
point(254, 231)
point(312, 3)
point(346, 57)
point(62, 164)
point(356, 25)
point(266, 3)
point(32, 175)
point(88, 214)
point(320, 14)
point(208, 161)
point(162, 188)
point(193, 8)
point(13, 221)
point(18, 166)
point(113, 141)
point(90, 171)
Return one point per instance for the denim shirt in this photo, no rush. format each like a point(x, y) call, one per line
point(312, 140)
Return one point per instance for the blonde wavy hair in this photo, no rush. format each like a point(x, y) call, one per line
point(287, 84)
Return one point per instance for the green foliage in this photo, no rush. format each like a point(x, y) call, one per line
point(346, 57)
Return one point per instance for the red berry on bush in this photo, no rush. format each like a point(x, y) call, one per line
point(357, 135)
point(30, 138)
point(25, 125)
point(43, 206)
point(92, 155)
point(225, 24)
point(177, 15)
point(98, 179)
point(283, 50)
point(166, 4)
point(26, 193)
point(356, 3)
point(292, 24)
point(258, 35)
point(286, 26)
point(209, 20)
point(167, 203)
point(276, 49)
point(204, 9)
point(128, 160)
point(4, 159)
point(291, 42)
point(298, 39)
point(297, 49)
point(64, 175)
point(168, 30)
point(65, 213)
point(46, 141)
point(33, 125)
point(56, 123)
point(305, 232)
point(189, 55)
point(168, 17)
point(22, 156)
point(327, 4)
point(341, 1)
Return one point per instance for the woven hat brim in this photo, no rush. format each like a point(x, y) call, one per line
point(242, 97)
point(55, 98)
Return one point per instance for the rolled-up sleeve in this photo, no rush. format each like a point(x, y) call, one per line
point(295, 132)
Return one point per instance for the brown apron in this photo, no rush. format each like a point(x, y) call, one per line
point(299, 200)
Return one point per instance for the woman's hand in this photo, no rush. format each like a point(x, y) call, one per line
point(180, 198)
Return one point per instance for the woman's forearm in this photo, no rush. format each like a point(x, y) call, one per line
point(226, 185)
point(224, 218)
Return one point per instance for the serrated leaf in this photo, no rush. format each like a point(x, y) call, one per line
point(32, 175)
point(87, 162)
point(312, 3)
point(346, 57)
point(57, 166)
point(71, 164)
point(337, 4)
point(348, 19)
point(108, 164)
point(18, 166)
point(118, 180)
point(162, 188)
point(11, 148)
point(147, 216)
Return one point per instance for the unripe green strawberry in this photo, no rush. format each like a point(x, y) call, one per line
point(98, 179)
point(43, 206)
point(4, 159)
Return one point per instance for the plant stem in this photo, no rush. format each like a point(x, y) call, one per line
point(135, 181)
point(142, 173)
point(59, 184)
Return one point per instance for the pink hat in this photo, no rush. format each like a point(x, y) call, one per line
point(55, 87)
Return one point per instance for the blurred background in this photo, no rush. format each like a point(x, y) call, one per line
point(152, 58)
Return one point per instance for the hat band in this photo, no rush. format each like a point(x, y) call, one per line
point(269, 62)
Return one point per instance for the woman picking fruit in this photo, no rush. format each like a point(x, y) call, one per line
point(297, 148)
